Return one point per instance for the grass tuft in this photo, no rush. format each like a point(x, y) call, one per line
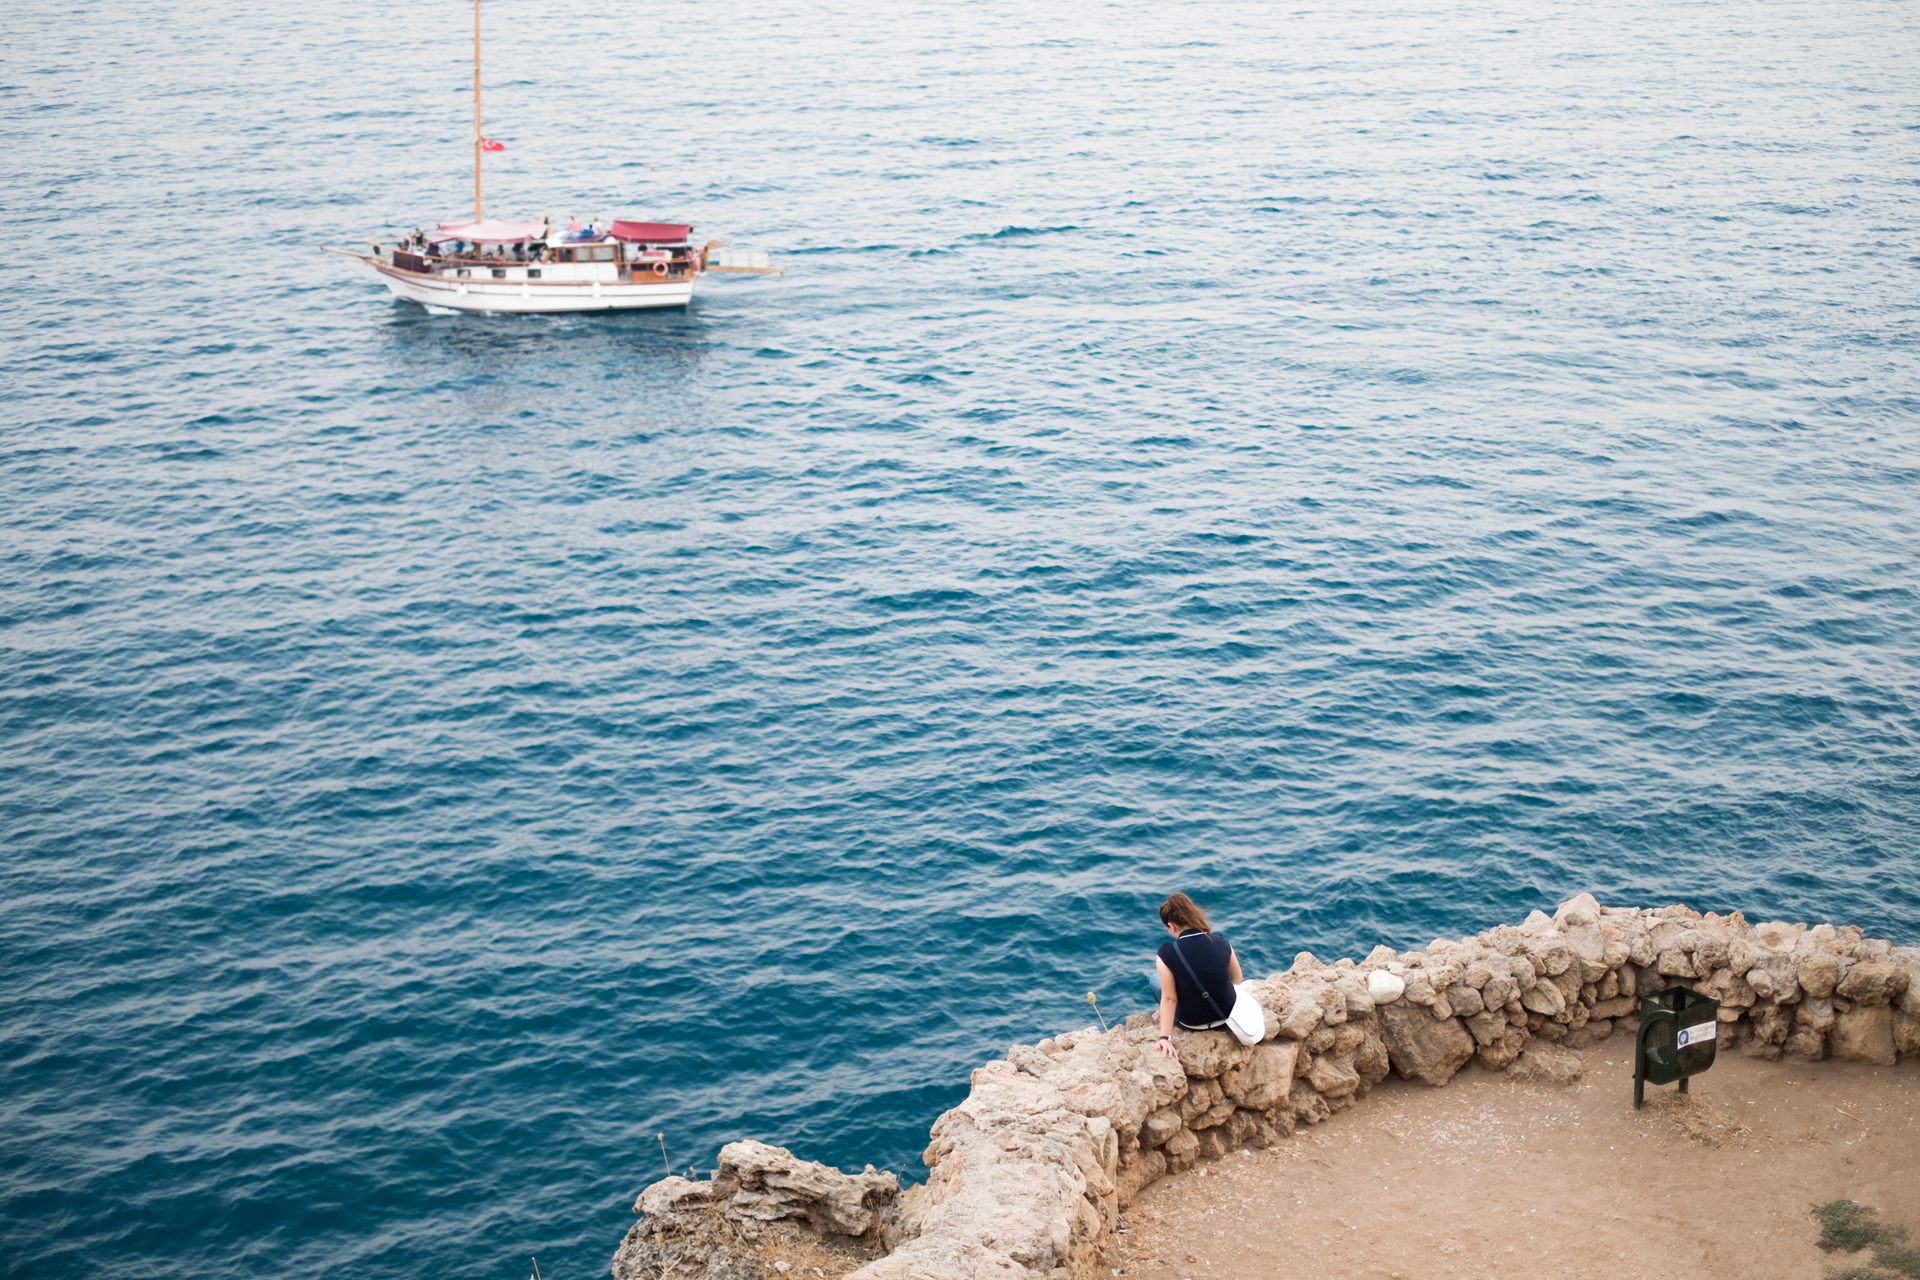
point(1851, 1227)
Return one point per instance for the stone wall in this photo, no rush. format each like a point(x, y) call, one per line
point(1028, 1175)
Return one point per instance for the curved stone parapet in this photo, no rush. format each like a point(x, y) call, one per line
point(1028, 1176)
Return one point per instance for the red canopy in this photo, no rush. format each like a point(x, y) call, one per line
point(492, 231)
point(652, 232)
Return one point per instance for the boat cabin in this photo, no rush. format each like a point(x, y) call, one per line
point(632, 252)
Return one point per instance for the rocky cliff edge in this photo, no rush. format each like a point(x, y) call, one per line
point(1028, 1176)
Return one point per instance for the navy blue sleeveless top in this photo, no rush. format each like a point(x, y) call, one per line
point(1211, 956)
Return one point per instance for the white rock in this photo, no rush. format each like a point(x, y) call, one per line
point(1384, 986)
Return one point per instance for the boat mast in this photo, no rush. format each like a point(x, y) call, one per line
point(477, 212)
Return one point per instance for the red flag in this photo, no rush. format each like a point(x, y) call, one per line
point(488, 144)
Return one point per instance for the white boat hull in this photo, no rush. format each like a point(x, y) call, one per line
point(531, 297)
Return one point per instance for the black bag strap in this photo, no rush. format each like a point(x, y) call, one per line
point(1204, 993)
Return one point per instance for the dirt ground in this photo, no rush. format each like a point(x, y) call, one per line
point(1488, 1177)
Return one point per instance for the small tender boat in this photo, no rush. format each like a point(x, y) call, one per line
point(525, 267)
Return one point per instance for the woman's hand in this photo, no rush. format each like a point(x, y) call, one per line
point(1168, 1048)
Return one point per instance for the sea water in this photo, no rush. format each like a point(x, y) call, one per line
point(1381, 469)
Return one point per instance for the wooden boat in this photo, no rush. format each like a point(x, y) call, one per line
point(525, 267)
point(518, 267)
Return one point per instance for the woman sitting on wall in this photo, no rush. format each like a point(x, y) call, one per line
point(1196, 964)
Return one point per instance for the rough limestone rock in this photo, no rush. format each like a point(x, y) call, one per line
point(1806, 1045)
point(1160, 1126)
point(759, 1195)
point(1772, 1024)
point(1819, 975)
point(1300, 1020)
point(1248, 1130)
point(1266, 1081)
point(1545, 999)
point(1775, 976)
point(1419, 989)
point(1308, 1107)
point(1137, 1172)
point(1675, 963)
point(1906, 1033)
point(1731, 990)
point(1420, 1046)
point(1102, 1075)
point(1205, 1054)
point(1219, 1113)
point(1581, 909)
point(1872, 983)
point(1011, 1184)
point(1618, 1007)
point(1864, 1033)
point(1211, 1144)
point(1546, 1064)
point(1814, 1013)
point(1202, 1097)
point(1487, 1028)
point(1180, 1151)
point(1551, 956)
point(1908, 958)
point(1334, 1077)
point(1371, 1059)
point(1570, 984)
point(1333, 1004)
point(1500, 1055)
point(1276, 1000)
point(1167, 1078)
point(772, 1183)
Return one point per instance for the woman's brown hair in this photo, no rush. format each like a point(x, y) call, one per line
point(1180, 910)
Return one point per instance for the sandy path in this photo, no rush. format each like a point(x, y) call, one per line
point(1488, 1177)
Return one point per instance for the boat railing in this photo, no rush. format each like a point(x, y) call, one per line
point(406, 260)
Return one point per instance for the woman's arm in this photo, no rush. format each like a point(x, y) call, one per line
point(1169, 1004)
point(1233, 965)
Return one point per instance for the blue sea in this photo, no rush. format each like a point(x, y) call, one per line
point(1379, 469)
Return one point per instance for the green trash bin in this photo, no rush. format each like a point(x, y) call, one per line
point(1678, 1030)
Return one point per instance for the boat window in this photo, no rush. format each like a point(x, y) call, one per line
point(499, 273)
point(603, 253)
point(533, 273)
point(563, 255)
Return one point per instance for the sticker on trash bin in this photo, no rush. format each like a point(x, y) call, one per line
point(1697, 1035)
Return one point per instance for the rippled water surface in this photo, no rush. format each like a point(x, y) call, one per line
point(1382, 469)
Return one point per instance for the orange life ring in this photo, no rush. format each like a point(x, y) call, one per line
point(659, 268)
